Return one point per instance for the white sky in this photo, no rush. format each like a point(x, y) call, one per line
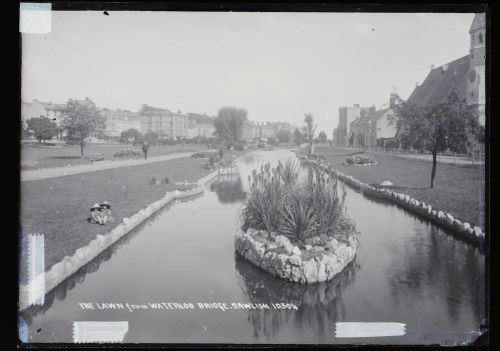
point(276, 65)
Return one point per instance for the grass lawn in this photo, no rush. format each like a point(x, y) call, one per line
point(35, 155)
point(457, 189)
point(59, 207)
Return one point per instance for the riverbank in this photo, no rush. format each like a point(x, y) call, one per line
point(444, 219)
point(457, 189)
point(70, 264)
point(38, 156)
point(58, 207)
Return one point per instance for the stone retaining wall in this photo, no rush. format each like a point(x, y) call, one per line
point(441, 218)
point(277, 255)
point(70, 264)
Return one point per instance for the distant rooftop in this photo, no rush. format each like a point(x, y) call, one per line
point(147, 108)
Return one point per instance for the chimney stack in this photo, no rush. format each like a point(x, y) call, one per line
point(432, 67)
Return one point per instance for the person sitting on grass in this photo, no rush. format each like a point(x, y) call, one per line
point(96, 215)
point(106, 211)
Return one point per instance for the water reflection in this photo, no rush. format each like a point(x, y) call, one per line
point(229, 189)
point(412, 272)
point(320, 305)
point(59, 292)
point(433, 264)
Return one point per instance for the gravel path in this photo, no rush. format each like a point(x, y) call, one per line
point(45, 173)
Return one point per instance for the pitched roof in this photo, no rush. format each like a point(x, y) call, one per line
point(376, 116)
point(478, 22)
point(441, 82)
point(55, 107)
point(147, 108)
point(355, 122)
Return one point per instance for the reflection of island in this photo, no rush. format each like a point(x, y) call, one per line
point(320, 305)
point(229, 189)
point(61, 290)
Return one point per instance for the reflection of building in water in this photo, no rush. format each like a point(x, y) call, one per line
point(320, 305)
point(229, 188)
point(99, 332)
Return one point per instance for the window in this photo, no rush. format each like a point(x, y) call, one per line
point(480, 37)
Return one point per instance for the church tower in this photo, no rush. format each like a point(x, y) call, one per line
point(476, 87)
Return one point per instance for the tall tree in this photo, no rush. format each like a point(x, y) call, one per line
point(322, 138)
point(43, 128)
point(310, 129)
point(81, 119)
point(151, 137)
point(451, 125)
point(229, 124)
point(131, 135)
point(284, 135)
point(298, 137)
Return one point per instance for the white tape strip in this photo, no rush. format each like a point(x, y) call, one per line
point(35, 17)
point(36, 269)
point(365, 329)
point(99, 332)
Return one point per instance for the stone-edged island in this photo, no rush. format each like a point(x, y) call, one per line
point(295, 230)
point(277, 255)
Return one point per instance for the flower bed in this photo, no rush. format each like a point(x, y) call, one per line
point(296, 230)
point(357, 160)
point(277, 255)
point(127, 153)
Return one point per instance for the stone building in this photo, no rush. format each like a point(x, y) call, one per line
point(163, 122)
point(464, 76)
point(376, 127)
point(347, 115)
point(118, 121)
point(200, 130)
point(37, 109)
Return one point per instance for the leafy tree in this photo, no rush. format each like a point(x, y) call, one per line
point(272, 141)
point(131, 134)
point(284, 136)
point(25, 132)
point(451, 125)
point(43, 128)
point(81, 119)
point(310, 129)
point(151, 138)
point(298, 137)
point(229, 124)
point(322, 138)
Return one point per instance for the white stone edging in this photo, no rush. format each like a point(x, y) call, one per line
point(70, 264)
point(445, 219)
point(361, 164)
point(276, 255)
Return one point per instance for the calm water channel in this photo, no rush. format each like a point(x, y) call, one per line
point(406, 270)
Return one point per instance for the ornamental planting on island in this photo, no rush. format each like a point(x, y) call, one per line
point(359, 160)
point(296, 230)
